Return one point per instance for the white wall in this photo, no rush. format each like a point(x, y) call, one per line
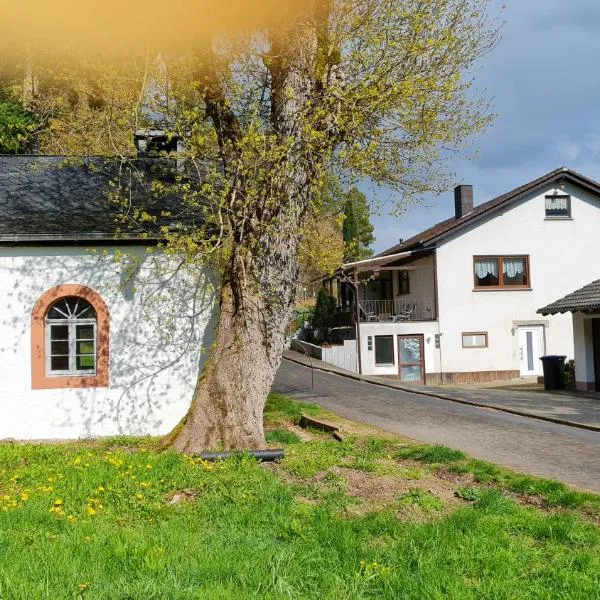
point(427, 328)
point(157, 331)
point(342, 356)
point(563, 257)
point(584, 350)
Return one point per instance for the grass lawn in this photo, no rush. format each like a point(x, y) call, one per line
point(372, 517)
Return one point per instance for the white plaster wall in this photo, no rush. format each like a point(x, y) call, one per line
point(159, 322)
point(426, 328)
point(563, 257)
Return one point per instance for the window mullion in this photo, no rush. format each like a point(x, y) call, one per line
point(72, 347)
point(500, 271)
point(48, 353)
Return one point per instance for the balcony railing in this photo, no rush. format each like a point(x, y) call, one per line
point(398, 310)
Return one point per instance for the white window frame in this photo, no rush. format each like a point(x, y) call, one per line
point(71, 322)
point(474, 335)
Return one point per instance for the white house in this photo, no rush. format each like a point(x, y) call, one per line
point(457, 303)
point(97, 336)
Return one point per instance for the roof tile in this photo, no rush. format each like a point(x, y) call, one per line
point(584, 299)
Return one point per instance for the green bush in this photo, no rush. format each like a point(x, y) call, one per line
point(16, 128)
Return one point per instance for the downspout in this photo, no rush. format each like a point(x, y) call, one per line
point(357, 317)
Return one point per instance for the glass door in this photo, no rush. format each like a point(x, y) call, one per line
point(411, 358)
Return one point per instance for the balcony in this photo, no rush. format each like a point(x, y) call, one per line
point(398, 310)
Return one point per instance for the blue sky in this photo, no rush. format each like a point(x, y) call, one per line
point(544, 79)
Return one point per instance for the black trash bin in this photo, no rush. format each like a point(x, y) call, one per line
point(554, 372)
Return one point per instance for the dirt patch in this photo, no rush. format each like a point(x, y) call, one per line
point(376, 492)
point(186, 495)
point(300, 432)
point(456, 479)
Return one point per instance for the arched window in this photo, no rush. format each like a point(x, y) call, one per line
point(69, 339)
point(71, 329)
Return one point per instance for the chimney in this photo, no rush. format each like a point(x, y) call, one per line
point(153, 142)
point(463, 200)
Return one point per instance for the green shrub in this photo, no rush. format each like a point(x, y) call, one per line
point(16, 128)
point(323, 316)
point(469, 494)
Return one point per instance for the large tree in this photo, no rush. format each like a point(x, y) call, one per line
point(378, 89)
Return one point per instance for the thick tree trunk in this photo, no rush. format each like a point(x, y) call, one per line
point(227, 408)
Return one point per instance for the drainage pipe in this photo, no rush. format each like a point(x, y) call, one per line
point(262, 455)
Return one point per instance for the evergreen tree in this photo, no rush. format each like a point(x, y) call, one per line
point(357, 228)
point(324, 308)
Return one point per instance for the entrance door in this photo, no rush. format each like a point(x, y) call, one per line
point(596, 338)
point(411, 358)
point(531, 348)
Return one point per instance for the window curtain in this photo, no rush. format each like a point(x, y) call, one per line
point(560, 203)
point(485, 267)
point(513, 266)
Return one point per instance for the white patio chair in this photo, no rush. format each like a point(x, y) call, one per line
point(405, 314)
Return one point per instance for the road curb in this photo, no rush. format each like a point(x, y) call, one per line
point(503, 409)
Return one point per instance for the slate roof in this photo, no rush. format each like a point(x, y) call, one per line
point(437, 232)
point(48, 198)
point(584, 299)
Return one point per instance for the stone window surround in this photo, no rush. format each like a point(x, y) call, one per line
point(39, 379)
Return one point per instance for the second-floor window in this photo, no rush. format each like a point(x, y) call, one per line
point(501, 272)
point(403, 283)
point(558, 207)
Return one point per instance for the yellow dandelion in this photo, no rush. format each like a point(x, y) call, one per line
point(77, 461)
point(24, 496)
point(144, 484)
point(101, 489)
point(6, 497)
point(58, 502)
point(91, 511)
point(72, 519)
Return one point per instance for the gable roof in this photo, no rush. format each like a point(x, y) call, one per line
point(50, 198)
point(441, 230)
point(584, 299)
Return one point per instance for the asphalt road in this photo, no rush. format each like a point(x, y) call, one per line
point(526, 444)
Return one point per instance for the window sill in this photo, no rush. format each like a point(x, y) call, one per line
point(55, 382)
point(558, 218)
point(504, 289)
point(385, 365)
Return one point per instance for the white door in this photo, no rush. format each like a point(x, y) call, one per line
point(531, 347)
